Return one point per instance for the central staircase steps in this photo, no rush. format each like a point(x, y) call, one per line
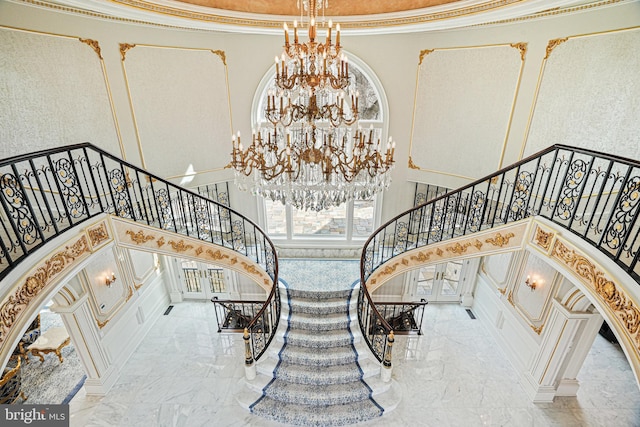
point(318, 376)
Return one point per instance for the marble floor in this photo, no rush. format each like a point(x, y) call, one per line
point(186, 374)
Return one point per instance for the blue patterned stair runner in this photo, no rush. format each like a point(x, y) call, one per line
point(318, 380)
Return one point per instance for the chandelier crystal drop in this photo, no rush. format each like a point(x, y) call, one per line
point(313, 154)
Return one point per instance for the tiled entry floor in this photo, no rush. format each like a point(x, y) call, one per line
point(186, 374)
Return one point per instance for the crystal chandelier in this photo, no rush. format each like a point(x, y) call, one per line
point(313, 154)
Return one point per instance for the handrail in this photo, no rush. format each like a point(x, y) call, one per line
point(46, 193)
point(593, 195)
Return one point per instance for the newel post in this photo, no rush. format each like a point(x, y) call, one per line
point(249, 366)
point(385, 373)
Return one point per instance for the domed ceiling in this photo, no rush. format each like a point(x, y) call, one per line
point(263, 16)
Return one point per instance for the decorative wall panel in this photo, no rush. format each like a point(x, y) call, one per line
point(464, 103)
point(588, 95)
point(180, 102)
point(53, 92)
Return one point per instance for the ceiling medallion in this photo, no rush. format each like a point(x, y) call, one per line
point(312, 154)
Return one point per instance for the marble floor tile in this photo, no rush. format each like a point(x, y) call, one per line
point(453, 375)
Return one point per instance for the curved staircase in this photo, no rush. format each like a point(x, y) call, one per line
point(321, 374)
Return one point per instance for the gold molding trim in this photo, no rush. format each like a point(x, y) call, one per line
point(180, 246)
point(469, 246)
point(98, 234)
point(94, 45)
point(522, 47)
point(124, 48)
point(138, 285)
point(543, 238)
point(615, 299)
point(15, 304)
point(537, 329)
point(499, 240)
point(424, 53)
point(554, 44)
point(221, 54)
point(502, 290)
point(160, 242)
point(139, 237)
point(458, 248)
point(102, 324)
point(129, 295)
point(411, 164)
point(217, 255)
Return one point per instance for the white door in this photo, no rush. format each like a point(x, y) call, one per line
point(440, 282)
point(202, 281)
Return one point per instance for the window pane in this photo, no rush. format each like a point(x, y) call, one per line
point(328, 222)
point(363, 217)
point(276, 218)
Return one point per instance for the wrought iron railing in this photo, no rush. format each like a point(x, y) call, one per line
point(593, 195)
point(403, 317)
point(44, 194)
point(235, 315)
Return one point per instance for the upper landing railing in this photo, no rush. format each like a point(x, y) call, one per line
point(594, 195)
point(51, 191)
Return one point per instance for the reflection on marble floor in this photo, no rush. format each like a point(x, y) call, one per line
point(186, 374)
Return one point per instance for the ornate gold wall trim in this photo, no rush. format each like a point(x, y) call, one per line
point(124, 49)
point(521, 47)
point(622, 307)
point(98, 235)
point(460, 248)
point(27, 294)
point(136, 236)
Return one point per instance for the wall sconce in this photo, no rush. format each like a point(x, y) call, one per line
point(531, 283)
point(109, 279)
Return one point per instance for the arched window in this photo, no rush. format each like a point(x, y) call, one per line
point(354, 220)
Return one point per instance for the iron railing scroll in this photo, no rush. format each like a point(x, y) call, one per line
point(593, 195)
point(43, 194)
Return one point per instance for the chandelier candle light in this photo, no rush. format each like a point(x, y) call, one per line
point(313, 154)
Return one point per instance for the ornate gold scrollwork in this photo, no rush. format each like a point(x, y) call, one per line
point(458, 249)
point(412, 165)
point(537, 329)
point(199, 250)
point(500, 240)
point(543, 239)
point(477, 244)
point(250, 268)
point(221, 54)
point(553, 44)
point(439, 252)
point(160, 242)
point(94, 45)
point(139, 237)
point(124, 47)
point(180, 246)
point(424, 53)
point(10, 310)
point(216, 255)
point(422, 256)
point(98, 234)
point(522, 47)
point(616, 299)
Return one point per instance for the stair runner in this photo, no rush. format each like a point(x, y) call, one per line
point(317, 378)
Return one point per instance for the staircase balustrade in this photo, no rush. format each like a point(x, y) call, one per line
point(593, 195)
point(46, 193)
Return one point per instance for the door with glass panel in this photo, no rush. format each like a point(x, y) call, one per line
point(440, 282)
point(202, 281)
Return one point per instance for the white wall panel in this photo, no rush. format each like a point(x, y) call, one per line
point(53, 92)
point(464, 101)
point(588, 95)
point(180, 103)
